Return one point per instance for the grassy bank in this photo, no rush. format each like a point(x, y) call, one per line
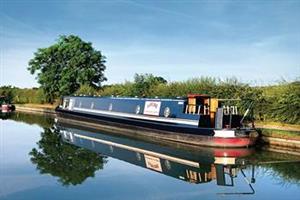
point(280, 133)
point(38, 106)
point(277, 125)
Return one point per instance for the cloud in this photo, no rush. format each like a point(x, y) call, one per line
point(158, 9)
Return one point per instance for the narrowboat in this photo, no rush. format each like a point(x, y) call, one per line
point(194, 165)
point(197, 119)
point(5, 107)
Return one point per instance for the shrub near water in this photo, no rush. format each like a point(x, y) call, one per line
point(21, 96)
point(284, 102)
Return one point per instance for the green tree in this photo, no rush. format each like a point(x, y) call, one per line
point(71, 164)
point(6, 94)
point(144, 83)
point(86, 90)
point(66, 65)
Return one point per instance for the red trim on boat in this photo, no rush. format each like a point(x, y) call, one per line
point(232, 152)
point(233, 142)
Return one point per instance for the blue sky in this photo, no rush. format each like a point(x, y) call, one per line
point(256, 41)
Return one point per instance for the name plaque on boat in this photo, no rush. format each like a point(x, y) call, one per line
point(153, 163)
point(152, 108)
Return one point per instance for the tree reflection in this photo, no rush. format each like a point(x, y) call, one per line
point(28, 118)
point(283, 167)
point(70, 163)
point(289, 172)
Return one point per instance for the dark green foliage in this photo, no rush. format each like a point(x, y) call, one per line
point(86, 89)
point(64, 66)
point(118, 89)
point(144, 84)
point(285, 106)
point(21, 96)
point(71, 164)
point(6, 94)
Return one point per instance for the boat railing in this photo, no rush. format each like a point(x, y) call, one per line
point(197, 109)
point(205, 110)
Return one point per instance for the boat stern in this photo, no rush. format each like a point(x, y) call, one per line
point(235, 137)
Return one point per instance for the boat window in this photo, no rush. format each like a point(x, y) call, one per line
point(110, 107)
point(92, 105)
point(80, 104)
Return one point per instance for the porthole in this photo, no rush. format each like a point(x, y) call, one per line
point(137, 109)
point(167, 112)
point(110, 107)
point(168, 164)
point(111, 149)
point(138, 156)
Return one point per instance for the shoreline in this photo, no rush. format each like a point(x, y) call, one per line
point(270, 135)
point(40, 110)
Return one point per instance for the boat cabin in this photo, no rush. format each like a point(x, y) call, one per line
point(195, 110)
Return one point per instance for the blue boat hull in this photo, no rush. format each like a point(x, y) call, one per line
point(121, 121)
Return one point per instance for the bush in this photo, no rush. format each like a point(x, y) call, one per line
point(20, 96)
point(87, 90)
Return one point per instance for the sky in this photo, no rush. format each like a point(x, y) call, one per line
point(257, 42)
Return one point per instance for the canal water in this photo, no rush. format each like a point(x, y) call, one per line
point(44, 159)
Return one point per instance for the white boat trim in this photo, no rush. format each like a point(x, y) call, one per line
point(145, 152)
point(135, 116)
point(224, 133)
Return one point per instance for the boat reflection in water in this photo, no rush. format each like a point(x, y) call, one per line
point(191, 164)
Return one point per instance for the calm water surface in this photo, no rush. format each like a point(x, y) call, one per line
point(40, 159)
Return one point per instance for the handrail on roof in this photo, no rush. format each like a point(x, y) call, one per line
point(229, 99)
